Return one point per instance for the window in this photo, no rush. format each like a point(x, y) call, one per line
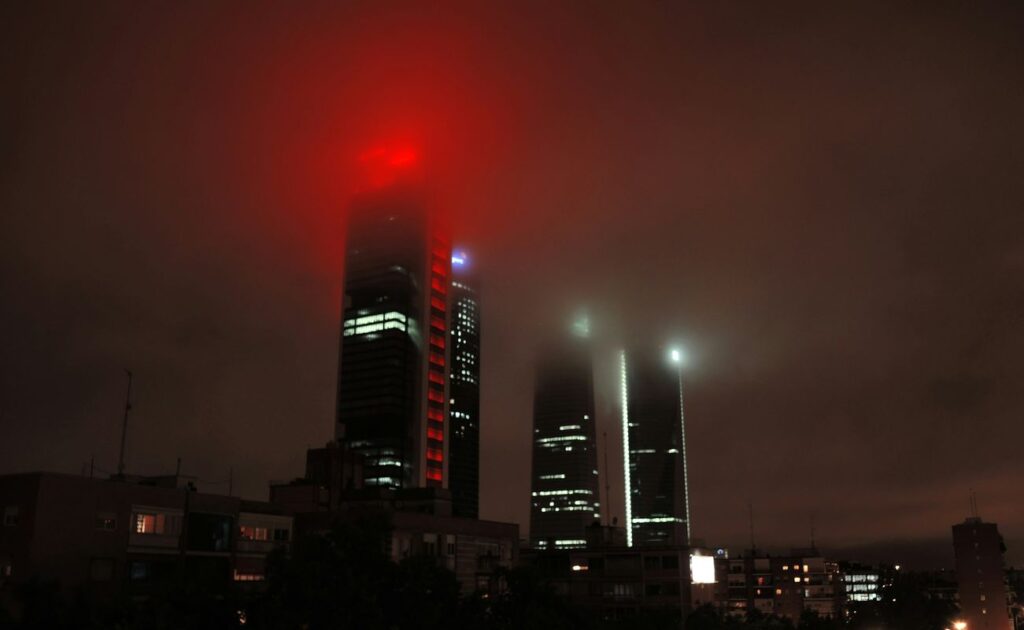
point(670, 562)
point(149, 523)
point(248, 532)
point(138, 571)
point(652, 562)
point(106, 522)
point(11, 515)
point(209, 532)
point(281, 535)
point(6, 568)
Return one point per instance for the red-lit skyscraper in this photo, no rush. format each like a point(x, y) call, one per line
point(392, 404)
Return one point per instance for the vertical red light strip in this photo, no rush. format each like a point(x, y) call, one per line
point(440, 268)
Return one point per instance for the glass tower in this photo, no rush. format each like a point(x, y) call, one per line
point(464, 401)
point(564, 497)
point(654, 449)
point(392, 404)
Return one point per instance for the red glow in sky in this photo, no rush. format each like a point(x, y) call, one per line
point(383, 165)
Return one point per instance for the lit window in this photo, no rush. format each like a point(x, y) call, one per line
point(247, 532)
point(149, 523)
point(106, 522)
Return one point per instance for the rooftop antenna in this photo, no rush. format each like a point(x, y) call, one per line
point(974, 503)
point(814, 548)
point(124, 426)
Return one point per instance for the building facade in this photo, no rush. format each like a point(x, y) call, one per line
point(565, 487)
point(618, 582)
point(392, 403)
point(784, 586)
point(654, 448)
point(980, 575)
point(104, 537)
point(464, 388)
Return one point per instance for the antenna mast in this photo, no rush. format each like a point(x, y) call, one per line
point(124, 426)
point(750, 510)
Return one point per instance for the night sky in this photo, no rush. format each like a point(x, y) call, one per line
point(824, 204)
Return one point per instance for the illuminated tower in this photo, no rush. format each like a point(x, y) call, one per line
point(392, 404)
point(564, 497)
point(654, 449)
point(464, 390)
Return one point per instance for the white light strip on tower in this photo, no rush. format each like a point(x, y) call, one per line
point(625, 451)
point(686, 473)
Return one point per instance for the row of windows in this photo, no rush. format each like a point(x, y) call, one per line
point(248, 532)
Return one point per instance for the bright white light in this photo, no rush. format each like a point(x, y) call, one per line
point(459, 259)
point(625, 447)
point(677, 356)
point(702, 569)
point(959, 625)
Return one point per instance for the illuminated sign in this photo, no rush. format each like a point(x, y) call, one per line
point(702, 569)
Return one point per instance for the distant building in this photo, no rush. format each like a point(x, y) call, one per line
point(981, 577)
point(464, 390)
point(784, 585)
point(654, 445)
point(105, 537)
point(617, 582)
point(864, 587)
point(392, 404)
point(565, 496)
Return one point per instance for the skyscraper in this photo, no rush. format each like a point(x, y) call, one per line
point(564, 497)
point(980, 575)
point(464, 386)
point(654, 449)
point(392, 404)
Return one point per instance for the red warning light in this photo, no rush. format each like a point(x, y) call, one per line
point(383, 165)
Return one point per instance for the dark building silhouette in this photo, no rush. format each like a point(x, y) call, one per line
point(132, 534)
point(422, 520)
point(654, 448)
point(981, 578)
point(392, 405)
point(564, 497)
point(615, 582)
point(464, 390)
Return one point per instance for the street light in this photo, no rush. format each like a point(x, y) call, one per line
point(960, 625)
